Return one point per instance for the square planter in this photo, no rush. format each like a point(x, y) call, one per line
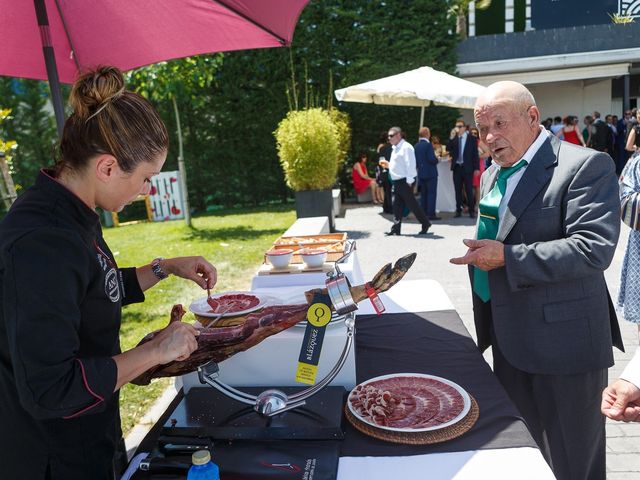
point(315, 203)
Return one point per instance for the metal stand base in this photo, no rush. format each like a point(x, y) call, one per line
point(207, 413)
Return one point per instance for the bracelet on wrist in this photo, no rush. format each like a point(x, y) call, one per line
point(157, 270)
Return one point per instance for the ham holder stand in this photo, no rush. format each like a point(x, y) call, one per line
point(312, 413)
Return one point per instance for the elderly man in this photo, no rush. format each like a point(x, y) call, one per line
point(402, 171)
point(547, 230)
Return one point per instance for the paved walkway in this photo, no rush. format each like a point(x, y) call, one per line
point(444, 241)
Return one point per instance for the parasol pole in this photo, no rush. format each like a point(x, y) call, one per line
point(422, 116)
point(50, 62)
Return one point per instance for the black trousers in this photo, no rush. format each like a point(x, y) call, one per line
point(563, 415)
point(403, 195)
point(463, 179)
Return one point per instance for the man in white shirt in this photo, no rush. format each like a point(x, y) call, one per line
point(402, 172)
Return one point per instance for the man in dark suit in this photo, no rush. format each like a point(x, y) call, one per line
point(463, 149)
point(548, 227)
point(427, 165)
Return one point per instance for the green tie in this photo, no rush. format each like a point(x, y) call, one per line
point(488, 224)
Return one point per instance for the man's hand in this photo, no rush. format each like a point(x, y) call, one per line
point(621, 401)
point(484, 254)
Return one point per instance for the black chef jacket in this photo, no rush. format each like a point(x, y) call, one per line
point(61, 294)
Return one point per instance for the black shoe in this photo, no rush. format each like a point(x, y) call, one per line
point(435, 217)
point(424, 230)
point(458, 215)
point(472, 215)
point(392, 232)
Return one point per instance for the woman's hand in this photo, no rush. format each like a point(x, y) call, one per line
point(174, 342)
point(192, 268)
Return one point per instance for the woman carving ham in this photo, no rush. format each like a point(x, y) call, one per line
point(60, 361)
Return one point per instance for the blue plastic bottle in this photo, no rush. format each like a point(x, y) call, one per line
point(203, 468)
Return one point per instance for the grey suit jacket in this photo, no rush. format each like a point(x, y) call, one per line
point(550, 308)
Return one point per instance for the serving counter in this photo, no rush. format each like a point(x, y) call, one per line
point(420, 332)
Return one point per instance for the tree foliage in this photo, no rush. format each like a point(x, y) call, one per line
point(32, 127)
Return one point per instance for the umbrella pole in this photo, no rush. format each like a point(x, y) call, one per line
point(50, 62)
point(422, 116)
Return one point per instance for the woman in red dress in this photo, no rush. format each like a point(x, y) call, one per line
point(362, 180)
point(570, 132)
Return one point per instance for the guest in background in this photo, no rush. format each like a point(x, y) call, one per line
point(586, 131)
point(382, 172)
point(464, 162)
point(427, 166)
point(629, 296)
point(402, 171)
point(361, 179)
point(570, 133)
point(633, 140)
point(557, 126)
point(621, 140)
point(483, 154)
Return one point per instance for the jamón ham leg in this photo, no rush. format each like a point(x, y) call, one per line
point(220, 343)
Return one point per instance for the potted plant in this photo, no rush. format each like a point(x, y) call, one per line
point(311, 147)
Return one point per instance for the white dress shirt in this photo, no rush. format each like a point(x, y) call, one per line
point(514, 179)
point(403, 162)
point(631, 373)
point(462, 141)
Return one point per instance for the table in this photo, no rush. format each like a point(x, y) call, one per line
point(446, 194)
point(350, 267)
point(434, 342)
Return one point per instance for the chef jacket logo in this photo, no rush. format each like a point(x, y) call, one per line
point(111, 287)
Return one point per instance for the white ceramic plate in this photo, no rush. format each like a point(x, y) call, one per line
point(202, 308)
point(426, 380)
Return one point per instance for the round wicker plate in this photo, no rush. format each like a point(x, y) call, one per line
point(418, 438)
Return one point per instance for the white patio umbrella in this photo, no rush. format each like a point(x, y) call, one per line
point(416, 88)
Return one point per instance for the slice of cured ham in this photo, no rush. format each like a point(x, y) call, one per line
point(407, 402)
point(233, 302)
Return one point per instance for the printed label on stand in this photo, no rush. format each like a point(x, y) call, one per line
point(318, 317)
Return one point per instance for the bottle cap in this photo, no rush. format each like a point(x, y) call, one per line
point(201, 457)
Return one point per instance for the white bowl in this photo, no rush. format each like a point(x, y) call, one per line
point(313, 257)
point(279, 258)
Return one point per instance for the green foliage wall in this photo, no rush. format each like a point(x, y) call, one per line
point(230, 108)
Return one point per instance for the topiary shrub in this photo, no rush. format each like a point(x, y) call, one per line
point(308, 144)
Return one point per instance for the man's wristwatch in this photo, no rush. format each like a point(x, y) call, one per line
point(157, 269)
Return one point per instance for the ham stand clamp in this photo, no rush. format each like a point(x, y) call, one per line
point(273, 401)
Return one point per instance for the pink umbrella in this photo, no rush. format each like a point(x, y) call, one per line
point(132, 33)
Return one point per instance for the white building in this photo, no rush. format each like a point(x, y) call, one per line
point(569, 53)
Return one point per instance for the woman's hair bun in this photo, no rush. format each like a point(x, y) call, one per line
point(93, 90)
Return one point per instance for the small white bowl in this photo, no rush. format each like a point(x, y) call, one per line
point(279, 258)
point(313, 257)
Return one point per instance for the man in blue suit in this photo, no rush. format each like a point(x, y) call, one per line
point(427, 165)
point(465, 160)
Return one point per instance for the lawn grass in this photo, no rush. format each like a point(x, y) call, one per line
point(233, 240)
